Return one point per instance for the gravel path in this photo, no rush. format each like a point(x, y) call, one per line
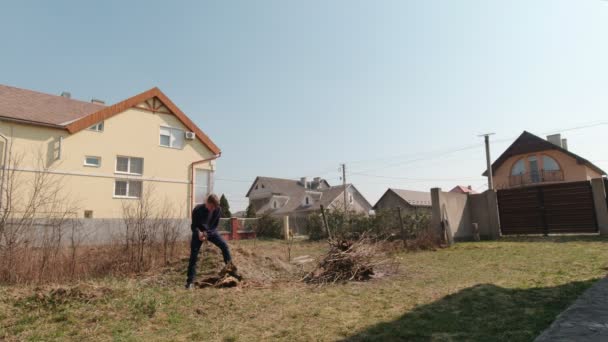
point(585, 320)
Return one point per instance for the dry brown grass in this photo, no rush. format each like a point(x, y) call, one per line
point(506, 290)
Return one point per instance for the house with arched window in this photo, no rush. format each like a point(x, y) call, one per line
point(532, 160)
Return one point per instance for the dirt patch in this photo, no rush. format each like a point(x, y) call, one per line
point(54, 296)
point(252, 267)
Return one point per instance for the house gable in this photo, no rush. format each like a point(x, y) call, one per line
point(528, 143)
point(152, 100)
point(390, 199)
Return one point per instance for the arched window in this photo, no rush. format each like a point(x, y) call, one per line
point(307, 201)
point(274, 204)
point(519, 168)
point(549, 164)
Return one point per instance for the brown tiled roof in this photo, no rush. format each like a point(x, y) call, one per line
point(57, 111)
point(38, 108)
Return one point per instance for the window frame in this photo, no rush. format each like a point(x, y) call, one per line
point(524, 163)
point(307, 201)
point(128, 181)
point(128, 172)
point(85, 163)
point(95, 127)
point(171, 129)
point(542, 158)
point(209, 186)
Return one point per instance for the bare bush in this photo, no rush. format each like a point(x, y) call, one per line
point(169, 229)
point(33, 212)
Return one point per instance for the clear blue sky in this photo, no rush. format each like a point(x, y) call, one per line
point(293, 88)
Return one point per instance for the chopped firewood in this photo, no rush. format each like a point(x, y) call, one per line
point(227, 277)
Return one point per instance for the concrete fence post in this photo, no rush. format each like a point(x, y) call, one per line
point(493, 214)
point(601, 207)
point(286, 227)
point(437, 222)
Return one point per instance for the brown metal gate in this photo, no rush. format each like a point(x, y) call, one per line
point(546, 209)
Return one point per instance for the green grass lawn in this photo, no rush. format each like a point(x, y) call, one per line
point(508, 290)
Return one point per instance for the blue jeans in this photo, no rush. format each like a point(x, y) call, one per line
point(195, 246)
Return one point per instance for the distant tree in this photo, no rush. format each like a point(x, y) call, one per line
point(250, 212)
point(225, 206)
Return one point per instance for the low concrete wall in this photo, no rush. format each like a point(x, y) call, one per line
point(456, 213)
point(108, 231)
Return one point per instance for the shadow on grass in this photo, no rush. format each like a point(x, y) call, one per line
point(480, 313)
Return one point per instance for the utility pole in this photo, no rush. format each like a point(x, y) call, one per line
point(486, 138)
point(344, 185)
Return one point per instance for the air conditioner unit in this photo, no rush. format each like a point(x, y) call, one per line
point(190, 136)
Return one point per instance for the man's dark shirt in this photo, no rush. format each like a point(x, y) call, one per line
point(203, 220)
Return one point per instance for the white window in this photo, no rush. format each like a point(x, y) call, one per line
point(127, 188)
point(171, 137)
point(92, 161)
point(307, 200)
point(202, 180)
point(130, 165)
point(98, 127)
point(549, 164)
point(519, 168)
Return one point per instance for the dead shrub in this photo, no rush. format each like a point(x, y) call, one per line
point(348, 260)
point(425, 240)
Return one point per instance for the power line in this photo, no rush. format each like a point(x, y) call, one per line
point(416, 179)
point(467, 147)
point(232, 180)
point(475, 146)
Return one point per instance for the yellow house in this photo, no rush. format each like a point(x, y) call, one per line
point(106, 155)
point(531, 160)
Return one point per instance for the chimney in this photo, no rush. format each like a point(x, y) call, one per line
point(555, 139)
point(98, 101)
point(470, 187)
point(66, 94)
point(303, 181)
point(565, 144)
point(316, 182)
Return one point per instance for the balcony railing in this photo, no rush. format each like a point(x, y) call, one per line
point(543, 176)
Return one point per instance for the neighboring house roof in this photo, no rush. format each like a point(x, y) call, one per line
point(528, 143)
point(296, 193)
point(280, 185)
point(36, 108)
point(413, 198)
point(463, 189)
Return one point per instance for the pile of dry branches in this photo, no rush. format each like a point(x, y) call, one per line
point(348, 261)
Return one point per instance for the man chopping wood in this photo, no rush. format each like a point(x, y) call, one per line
point(205, 219)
